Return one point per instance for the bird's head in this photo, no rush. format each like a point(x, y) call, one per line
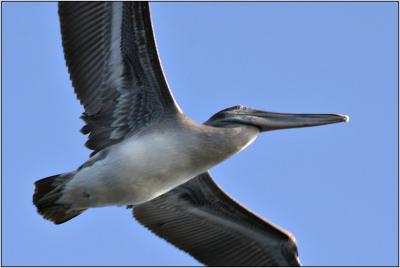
point(266, 121)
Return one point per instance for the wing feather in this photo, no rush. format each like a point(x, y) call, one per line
point(199, 218)
point(113, 63)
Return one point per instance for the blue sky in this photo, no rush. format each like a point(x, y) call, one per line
point(334, 187)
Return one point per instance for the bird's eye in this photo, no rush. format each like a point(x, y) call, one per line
point(239, 107)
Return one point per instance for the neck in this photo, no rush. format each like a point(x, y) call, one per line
point(204, 143)
point(227, 141)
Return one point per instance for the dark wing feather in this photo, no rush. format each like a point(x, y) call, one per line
point(199, 218)
point(114, 67)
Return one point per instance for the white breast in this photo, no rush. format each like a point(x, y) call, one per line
point(133, 172)
point(144, 167)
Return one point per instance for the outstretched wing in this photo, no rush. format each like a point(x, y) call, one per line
point(199, 218)
point(114, 67)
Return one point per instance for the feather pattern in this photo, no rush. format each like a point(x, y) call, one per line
point(199, 218)
point(113, 63)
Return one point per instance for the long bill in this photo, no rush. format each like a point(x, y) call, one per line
point(272, 121)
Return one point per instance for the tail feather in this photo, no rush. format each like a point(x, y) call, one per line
point(47, 192)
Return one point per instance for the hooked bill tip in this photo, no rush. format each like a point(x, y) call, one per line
point(346, 118)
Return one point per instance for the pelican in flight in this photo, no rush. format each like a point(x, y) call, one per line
point(148, 155)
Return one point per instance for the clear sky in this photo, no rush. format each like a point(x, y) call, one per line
point(334, 187)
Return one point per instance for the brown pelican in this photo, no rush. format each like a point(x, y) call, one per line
point(148, 155)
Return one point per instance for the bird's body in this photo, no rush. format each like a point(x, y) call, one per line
point(152, 162)
point(148, 154)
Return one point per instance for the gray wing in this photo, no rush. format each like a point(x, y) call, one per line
point(114, 67)
point(199, 218)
